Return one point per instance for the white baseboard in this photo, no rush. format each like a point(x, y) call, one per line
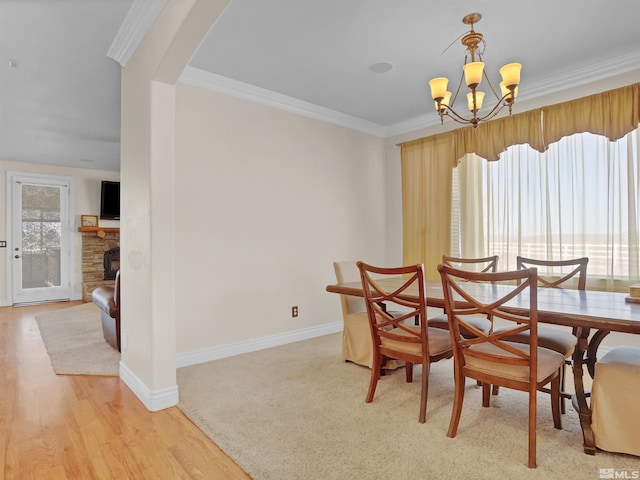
point(153, 400)
point(223, 351)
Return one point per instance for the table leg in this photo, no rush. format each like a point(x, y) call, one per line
point(579, 400)
point(592, 350)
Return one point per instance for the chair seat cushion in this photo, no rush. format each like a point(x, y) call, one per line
point(439, 342)
point(554, 339)
point(442, 321)
point(548, 362)
point(614, 401)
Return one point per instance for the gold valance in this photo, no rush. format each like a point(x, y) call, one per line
point(613, 114)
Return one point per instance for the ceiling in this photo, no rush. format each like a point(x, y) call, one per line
point(60, 92)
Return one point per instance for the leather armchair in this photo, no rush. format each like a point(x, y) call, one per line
point(108, 300)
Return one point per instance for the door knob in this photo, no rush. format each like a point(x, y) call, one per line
point(17, 256)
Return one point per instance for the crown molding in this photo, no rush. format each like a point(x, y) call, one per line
point(583, 75)
point(139, 19)
point(211, 81)
point(143, 13)
point(570, 79)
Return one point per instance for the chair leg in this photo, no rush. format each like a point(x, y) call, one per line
point(375, 374)
point(563, 374)
point(409, 371)
point(458, 399)
point(556, 399)
point(486, 394)
point(532, 427)
point(425, 393)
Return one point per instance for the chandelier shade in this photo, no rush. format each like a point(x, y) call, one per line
point(473, 74)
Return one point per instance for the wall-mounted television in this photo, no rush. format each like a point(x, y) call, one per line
point(110, 200)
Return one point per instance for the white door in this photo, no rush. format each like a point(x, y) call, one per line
point(40, 252)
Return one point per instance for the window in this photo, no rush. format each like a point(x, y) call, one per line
point(579, 198)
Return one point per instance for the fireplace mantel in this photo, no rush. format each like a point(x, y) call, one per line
point(95, 229)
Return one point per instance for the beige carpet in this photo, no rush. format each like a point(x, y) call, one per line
point(298, 412)
point(74, 341)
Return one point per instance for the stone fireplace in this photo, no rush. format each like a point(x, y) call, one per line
point(95, 250)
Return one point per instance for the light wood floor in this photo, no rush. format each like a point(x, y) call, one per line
point(88, 427)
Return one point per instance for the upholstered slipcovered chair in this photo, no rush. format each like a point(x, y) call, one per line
point(356, 335)
point(615, 401)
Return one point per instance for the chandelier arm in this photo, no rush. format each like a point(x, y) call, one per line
point(494, 111)
point(495, 94)
point(497, 108)
point(462, 122)
point(451, 113)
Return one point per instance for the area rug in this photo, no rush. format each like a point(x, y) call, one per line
point(298, 412)
point(74, 341)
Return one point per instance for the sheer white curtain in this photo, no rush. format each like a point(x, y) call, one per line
point(579, 198)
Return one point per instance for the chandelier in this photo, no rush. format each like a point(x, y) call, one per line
point(473, 71)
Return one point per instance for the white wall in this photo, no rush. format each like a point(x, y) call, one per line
point(86, 201)
point(266, 200)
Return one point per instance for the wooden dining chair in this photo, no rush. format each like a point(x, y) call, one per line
point(484, 264)
point(556, 339)
point(395, 338)
point(488, 357)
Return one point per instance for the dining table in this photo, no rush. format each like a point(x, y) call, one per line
point(590, 314)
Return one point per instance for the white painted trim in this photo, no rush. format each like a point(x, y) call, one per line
point(246, 346)
point(143, 13)
point(566, 80)
point(583, 75)
point(153, 400)
point(211, 81)
point(139, 19)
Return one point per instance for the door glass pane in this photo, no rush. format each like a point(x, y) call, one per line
point(41, 236)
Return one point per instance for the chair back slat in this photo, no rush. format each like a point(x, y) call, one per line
point(546, 281)
point(484, 264)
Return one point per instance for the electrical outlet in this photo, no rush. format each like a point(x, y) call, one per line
point(294, 311)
